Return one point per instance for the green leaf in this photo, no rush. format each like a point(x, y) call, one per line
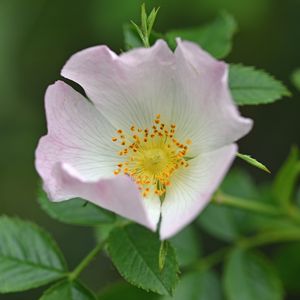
point(228, 223)
point(187, 247)
point(296, 78)
point(134, 251)
point(144, 25)
point(163, 252)
point(151, 19)
point(252, 161)
point(215, 37)
point(249, 276)
point(198, 285)
point(144, 30)
point(75, 211)
point(219, 221)
point(251, 86)
point(103, 231)
point(68, 291)
point(132, 38)
point(286, 179)
point(287, 262)
point(29, 257)
point(125, 291)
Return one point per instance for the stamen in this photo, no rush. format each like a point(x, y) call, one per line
point(150, 156)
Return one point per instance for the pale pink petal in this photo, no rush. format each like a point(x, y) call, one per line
point(77, 158)
point(118, 194)
point(129, 89)
point(188, 88)
point(210, 116)
point(77, 134)
point(192, 189)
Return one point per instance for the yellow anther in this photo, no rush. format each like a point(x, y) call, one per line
point(151, 163)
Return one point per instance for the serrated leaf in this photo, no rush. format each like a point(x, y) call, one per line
point(29, 257)
point(125, 291)
point(198, 285)
point(228, 223)
point(286, 179)
point(250, 86)
point(68, 291)
point(215, 37)
point(252, 161)
point(187, 246)
point(296, 78)
point(134, 251)
point(249, 276)
point(76, 211)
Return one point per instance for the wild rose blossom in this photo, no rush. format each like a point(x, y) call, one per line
point(155, 138)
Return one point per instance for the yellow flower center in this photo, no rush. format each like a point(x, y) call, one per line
point(150, 156)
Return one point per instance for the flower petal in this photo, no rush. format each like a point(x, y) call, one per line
point(118, 194)
point(129, 89)
point(202, 81)
point(189, 88)
point(77, 158)
point(77, 134)
point(192, 189)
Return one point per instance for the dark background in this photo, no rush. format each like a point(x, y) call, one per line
point(38, 36)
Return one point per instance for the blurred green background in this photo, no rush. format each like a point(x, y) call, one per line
point(38, 36)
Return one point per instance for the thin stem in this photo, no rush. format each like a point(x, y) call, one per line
point(86, 261)
point(261, 239)
point(291, 213)
point(221, 198)
point(265, 238)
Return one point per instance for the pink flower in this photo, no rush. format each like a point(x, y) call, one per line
point(156, 136)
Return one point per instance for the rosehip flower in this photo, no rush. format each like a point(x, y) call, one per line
point(154, 137)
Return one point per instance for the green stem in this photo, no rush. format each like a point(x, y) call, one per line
point(146, 41)
point(265, 238)
point(250, 205)
point(291, 213)
point(86, 261)
point(261, 239)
